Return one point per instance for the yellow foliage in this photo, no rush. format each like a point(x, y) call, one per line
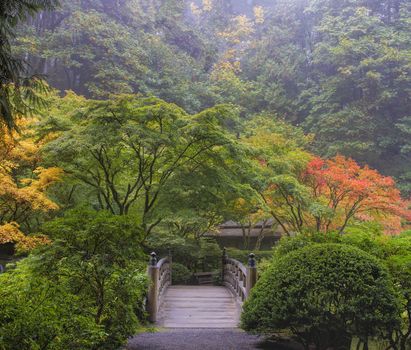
point(345, 70)
point(23, 184)
point(227, 67)
point(258, 14)
point(10, 233)
point(241, 29)
point(225, 70)
point(195, 10)
point(236, 35)
point(249, 211)
point(45, 177)
point(207, 5)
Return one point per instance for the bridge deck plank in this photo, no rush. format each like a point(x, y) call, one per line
point(199, 307)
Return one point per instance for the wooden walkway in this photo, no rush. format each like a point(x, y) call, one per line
point(199, 307)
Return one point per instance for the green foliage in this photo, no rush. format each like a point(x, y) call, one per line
point(394, 252)
point(368, 51)
point(289, 244)
point(181, 274)
point(209, 254)
point(38, 313)
point(367, 236)
point(400, 268)
point(164, 243)
point(406, 233)
point(92, 276)
point(397, 256)
point(324, 293)
point(195, 254)
point(242, 255)
point(18, 91)
point(342, 69)
point(339, 69)
point(263, 265)
point(162, 176)
point(127, 47)
point(145, 156)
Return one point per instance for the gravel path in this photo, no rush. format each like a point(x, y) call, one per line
point(201, 339)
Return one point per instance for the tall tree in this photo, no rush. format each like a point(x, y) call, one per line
point(328, 195)
point(17, 89)
point(131, 46)
point(129, 152)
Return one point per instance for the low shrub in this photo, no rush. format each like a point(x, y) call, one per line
point(364, 236)
point(84, 291)
point(324, 294)
point(37, 313)
point(394, 252)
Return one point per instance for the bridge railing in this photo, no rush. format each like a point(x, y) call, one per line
point(237, 277)
point(159, 272)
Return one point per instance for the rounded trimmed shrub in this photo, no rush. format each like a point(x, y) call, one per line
point(324, 294)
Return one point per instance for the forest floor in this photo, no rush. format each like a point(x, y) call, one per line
point(204, 339)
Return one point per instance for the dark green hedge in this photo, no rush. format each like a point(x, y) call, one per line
point(242, 255)
point(324, 293)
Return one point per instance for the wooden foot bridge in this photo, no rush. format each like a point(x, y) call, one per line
point(199, 306)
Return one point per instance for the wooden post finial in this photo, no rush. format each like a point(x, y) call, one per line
point(251, 274)
point(153, 259)
point(251, 260)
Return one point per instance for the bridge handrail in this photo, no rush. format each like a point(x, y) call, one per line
point(164, 265)
point(238, 264)
point(238, 278)
point(159, 273)
point(235, 276)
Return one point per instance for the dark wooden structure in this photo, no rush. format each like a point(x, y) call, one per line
point(263, 235)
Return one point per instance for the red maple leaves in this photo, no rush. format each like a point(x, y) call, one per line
point(351, 191)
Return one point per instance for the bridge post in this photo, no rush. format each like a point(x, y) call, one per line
point(223, 262)
point(170, 261)
point(152, 298)
point(251, 278)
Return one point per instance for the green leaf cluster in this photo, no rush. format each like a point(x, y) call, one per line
point(84, 291)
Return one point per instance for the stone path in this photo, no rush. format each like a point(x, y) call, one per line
point(199, 307)
point(203, 339)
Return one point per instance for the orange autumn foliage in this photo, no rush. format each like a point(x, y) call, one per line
point(23, 185)
point(10, 233)
point(351, 191)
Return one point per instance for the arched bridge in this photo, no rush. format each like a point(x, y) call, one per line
point(200, 306)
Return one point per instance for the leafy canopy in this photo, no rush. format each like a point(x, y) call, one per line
point(137, 155)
